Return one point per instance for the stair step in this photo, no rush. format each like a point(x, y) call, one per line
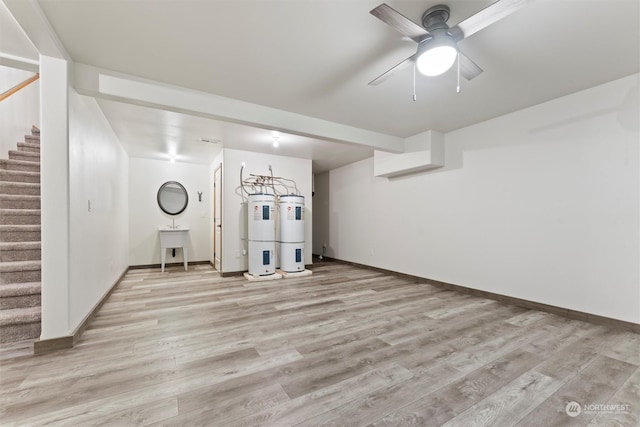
point(33, 138)
point(9, 267)
point(19, 315)
point(24, 156)
point(29, 147)
point(19, 233)
point(19, 176)
point(19, 246)
point(20, 295)
point(20, 216)
point(20, 188)
point(19, 324)
point(17, 289)
point(20, 251)
point(19, 165)
point(13, 201)
point(20, 272)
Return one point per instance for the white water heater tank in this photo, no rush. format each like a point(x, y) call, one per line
point(292, 233)
point(261, 258)
point(261, 210)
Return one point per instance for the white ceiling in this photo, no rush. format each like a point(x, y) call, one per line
point(16, 51)
point(157, 134)
point(315, 58)
point(13, 41)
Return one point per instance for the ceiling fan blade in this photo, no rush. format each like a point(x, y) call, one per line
point(401, 23)
point(401, 66)
point(485, 17)
point(468, 68)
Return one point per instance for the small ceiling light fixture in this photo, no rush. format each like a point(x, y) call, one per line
point(275, 138)
point(436, 55)
point(172, 151)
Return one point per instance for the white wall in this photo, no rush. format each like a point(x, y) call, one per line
point(54, 197)
point(234, 215)
point(145, 178)
point(99, 235)
point(540, 204)
point(19, 111)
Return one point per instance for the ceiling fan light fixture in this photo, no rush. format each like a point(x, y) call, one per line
point(436, 55)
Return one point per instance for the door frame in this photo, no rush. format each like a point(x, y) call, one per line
point(217, 203)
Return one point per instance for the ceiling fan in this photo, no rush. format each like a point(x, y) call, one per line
point(437, 42)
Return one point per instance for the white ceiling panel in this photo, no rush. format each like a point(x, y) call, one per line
point(315, 57)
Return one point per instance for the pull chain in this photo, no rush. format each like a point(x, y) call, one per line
point(458, 87)
point(414, 82)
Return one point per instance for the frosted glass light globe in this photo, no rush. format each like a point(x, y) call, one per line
point(436, 60)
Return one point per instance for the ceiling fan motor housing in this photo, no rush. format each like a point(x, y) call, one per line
point(435, 18)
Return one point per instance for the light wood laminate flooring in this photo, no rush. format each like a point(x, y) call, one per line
point(346, 347)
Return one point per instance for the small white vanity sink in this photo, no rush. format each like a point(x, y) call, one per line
point(173, 237)
point(173, 228)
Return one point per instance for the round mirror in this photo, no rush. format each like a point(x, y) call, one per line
point(172, 198)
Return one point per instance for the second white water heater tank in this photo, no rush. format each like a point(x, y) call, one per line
point(291, 219)
point(291, 210)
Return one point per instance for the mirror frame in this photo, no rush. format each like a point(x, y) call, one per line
point(186, 197)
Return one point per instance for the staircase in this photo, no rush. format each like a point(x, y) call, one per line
point(20, 241)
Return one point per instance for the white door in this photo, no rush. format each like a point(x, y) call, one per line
point(217, 218)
